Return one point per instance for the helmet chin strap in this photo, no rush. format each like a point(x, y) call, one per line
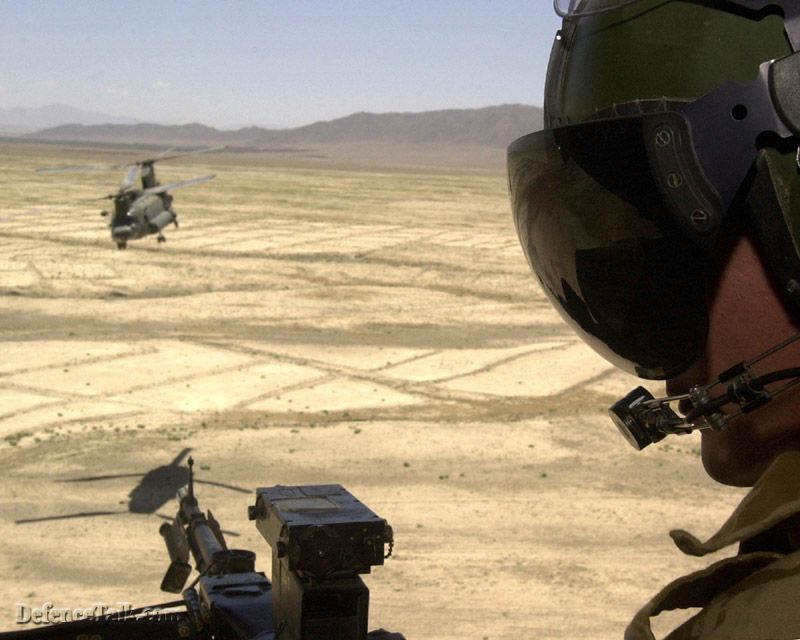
point(644, 420)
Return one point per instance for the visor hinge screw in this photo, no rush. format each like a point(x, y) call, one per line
point(663, 137)
point(699, 217)
point(675, 180)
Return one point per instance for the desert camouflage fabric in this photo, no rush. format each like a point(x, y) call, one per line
point(754, 595)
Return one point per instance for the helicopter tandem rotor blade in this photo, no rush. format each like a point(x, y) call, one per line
point(110, 196)
point(77, 168)
point(168, 155)
point(127, 182)
point(178, 185)
point(165, 153)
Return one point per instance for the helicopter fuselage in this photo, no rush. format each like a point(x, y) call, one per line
point(136, 216)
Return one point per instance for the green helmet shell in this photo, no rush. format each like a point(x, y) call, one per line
point(651, 50)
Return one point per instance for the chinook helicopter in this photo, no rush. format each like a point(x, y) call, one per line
point(139, 212)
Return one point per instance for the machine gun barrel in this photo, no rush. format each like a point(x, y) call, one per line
point(203, 532)
point(238, 598)
point(197, 533)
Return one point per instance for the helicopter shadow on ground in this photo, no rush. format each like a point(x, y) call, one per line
point(156, 488)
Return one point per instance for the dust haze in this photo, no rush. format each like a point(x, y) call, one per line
point(320, 324)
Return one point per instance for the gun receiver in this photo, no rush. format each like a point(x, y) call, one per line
point(322, 539)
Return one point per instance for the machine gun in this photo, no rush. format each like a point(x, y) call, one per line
point(322, 540)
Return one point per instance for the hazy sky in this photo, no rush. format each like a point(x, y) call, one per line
point(269, 62)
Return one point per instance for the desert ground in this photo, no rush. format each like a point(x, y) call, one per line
point(312, 324)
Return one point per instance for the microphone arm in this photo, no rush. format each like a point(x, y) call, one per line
point(643, 419)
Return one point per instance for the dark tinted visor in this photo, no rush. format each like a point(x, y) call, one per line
point(605, 246)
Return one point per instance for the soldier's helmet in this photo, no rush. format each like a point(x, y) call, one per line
point(665, 121)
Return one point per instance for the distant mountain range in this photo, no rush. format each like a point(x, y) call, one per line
point(22, 120)
point(450, 137)
point(490, 126)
